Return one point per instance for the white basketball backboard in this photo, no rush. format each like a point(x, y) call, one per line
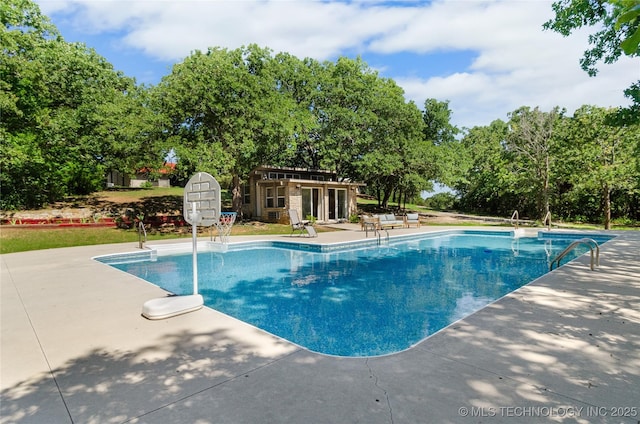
point(204, 191)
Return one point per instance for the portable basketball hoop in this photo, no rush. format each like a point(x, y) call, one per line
point(201, 208)
point(224, 225)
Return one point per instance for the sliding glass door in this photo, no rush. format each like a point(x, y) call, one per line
point(337, 204)
point(311, 203)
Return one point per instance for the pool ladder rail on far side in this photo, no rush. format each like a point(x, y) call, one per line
point(378, 233)
point(370, 225)
point(142, 235)
point(593, 245)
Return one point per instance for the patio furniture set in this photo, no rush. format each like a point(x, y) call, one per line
point(385, 221)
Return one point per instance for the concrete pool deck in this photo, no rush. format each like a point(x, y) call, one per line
point(75, 349)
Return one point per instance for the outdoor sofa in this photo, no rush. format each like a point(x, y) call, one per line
point(389, 221)
point(384, 221)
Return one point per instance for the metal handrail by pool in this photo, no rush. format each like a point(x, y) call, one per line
point(517, 218)
point(142, 230)
point(589, 242)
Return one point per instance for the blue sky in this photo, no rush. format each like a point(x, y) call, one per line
point(487, 58)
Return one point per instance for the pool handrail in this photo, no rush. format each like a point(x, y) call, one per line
point(589, 242)
point(142, 231)
point(547, 220)
point(517, 218)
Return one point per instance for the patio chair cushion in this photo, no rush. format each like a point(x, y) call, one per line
point(389, 220)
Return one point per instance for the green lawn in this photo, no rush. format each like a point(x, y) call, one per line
point(15, 239)
point(21, 240)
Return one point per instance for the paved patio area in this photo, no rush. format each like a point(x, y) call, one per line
point(75, 349)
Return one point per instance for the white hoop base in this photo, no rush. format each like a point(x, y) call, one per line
point(167, 307)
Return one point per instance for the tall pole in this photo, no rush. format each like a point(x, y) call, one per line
point(194, 230)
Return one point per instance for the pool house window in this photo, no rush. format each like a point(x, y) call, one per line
point(269, 200)
point(281, 197)
point(246, 194)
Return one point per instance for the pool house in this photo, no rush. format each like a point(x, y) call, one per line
point(271, 191)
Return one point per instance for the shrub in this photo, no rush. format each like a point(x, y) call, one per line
point(441, 201)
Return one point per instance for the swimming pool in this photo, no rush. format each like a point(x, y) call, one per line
point(357, 299)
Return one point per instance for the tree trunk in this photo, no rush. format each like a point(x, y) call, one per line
point(607, 207)
point(388, 191)
point(385, 199)
point(236, 196)
point(545, 187)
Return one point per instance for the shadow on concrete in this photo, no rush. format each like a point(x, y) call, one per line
point(582, 345)
point(117, 386)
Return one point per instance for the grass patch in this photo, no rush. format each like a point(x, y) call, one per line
point(624, 227)
point(256, 228)
point(13, 240)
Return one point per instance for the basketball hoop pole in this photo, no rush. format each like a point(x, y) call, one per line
point(194, 231)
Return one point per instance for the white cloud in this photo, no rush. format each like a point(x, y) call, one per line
point(170, 30)
point(478, 98)
point(49, 7)
point(515, 62)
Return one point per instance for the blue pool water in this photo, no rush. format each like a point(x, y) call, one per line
point(358, 301)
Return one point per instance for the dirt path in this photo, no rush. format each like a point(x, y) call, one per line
point(114, 203)
point(103, 204)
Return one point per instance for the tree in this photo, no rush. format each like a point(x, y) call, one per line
point(487, 184)
point(396, 158)
point(51, 94)
point(225, 112)
point(345, 113)
point(303, 81)
point(530, 140)
point(437, 122)
point(129, 133)
point(447, 160)
point(603, 156)
point(629, 16)
point(619, 34)
point(355, 123)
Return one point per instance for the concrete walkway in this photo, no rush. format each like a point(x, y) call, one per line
point(75, 349)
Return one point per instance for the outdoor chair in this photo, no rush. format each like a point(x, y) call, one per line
point(299, 225)
point(412, 219)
